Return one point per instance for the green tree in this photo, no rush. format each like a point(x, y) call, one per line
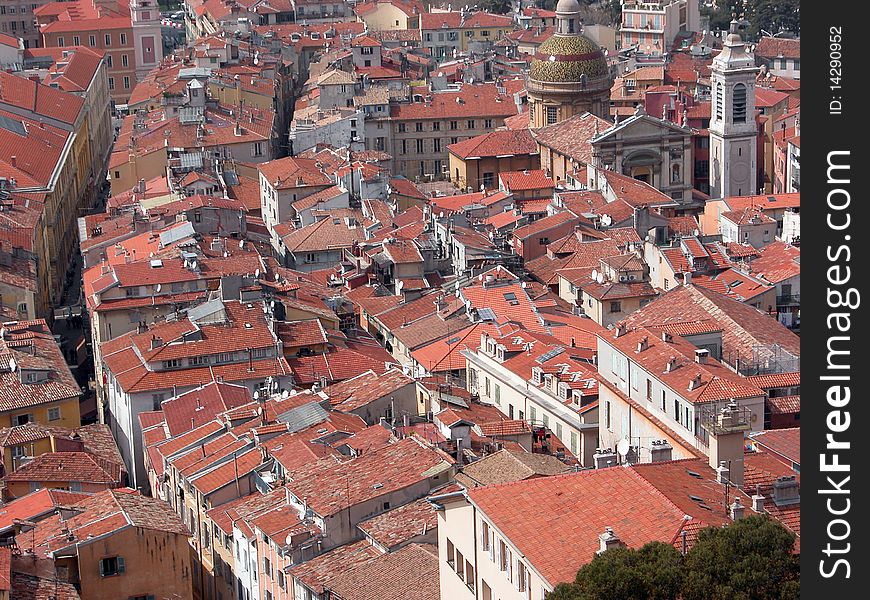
point(751, 559)
point(654, 572)
point(501, 7)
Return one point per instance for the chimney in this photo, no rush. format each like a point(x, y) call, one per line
point(695, 383)
point(667, 337)
point(604, 457)
point(726, 430)
point(608, 540)
point(643, 344)
point(701, 356)
point(736, 510)
point(619, 330)
point(687, 278)
point(723, 473)
point(661, 451)
point(671, 364)
point(14, 161)
point(156, 342)
point(758, 500)
point(786, 491)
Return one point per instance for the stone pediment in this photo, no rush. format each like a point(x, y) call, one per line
point(639, 126)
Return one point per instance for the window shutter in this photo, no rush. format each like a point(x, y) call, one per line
point(102, 568)
point(121, 568)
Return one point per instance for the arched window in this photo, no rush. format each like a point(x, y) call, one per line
point(738, 109)
point(675, 174)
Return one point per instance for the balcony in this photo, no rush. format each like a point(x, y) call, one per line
point(788, 300)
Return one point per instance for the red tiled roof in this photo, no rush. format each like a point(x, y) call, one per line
point(545, 224)
point(445, 354)
point(292, 172)
point(68, 466)
point(784, 405)
point(199, 406)
point(536, 179)
point(401, 524)
point(571, 136)
point(503, 428)
point(339, 365)
point(777, 262)
point(745, 330)
point(717, 382)
point(352, 394)
point(100, 515)
point(410, 573)
point(523, 512)
point(36, 504)
point(508, 142)
point(784, 442)
point(39, 99)
point(776, 380)
point(772, 47)
point(472, 101)
point(331, 487)
point(213, 480)
point(320, 572)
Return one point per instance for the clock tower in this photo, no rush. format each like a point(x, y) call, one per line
point(733, 130)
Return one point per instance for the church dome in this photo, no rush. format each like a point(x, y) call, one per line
point(567, 58)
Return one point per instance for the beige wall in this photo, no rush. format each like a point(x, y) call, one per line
point(407, 161)
point(469, 173)
point(462, 524)
point(127, 173)
point(387, 16)
point(157, 563)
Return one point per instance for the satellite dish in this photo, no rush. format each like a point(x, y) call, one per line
point(256, 394)
point(158, 288)
point(257, 273)
point(623, 447)
point(695, 232)
point(600, 278)
point(277, 277)
point(595, 274)
point(606, 220)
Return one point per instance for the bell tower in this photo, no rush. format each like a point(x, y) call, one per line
point(147, 38)
point(733, 130)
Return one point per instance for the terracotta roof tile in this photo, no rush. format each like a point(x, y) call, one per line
point(331, 487)
point(410, 573)
point(509, 142)
point(475, 101)
point(353, 394)
point(784, 442)
point(523, 512)
point(746, 331)
point(397, 526)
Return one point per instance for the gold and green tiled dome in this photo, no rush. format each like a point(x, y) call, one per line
point(565, 58)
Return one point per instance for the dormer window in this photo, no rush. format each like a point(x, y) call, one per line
point(537, 375)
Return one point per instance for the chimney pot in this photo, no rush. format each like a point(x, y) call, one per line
point(737, 510)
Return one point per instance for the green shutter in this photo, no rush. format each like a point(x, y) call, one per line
point(121, 568)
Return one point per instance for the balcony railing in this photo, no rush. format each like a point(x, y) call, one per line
point(788, 300)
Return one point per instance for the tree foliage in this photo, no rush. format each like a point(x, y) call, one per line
point(747, 560)
point(770, 16)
